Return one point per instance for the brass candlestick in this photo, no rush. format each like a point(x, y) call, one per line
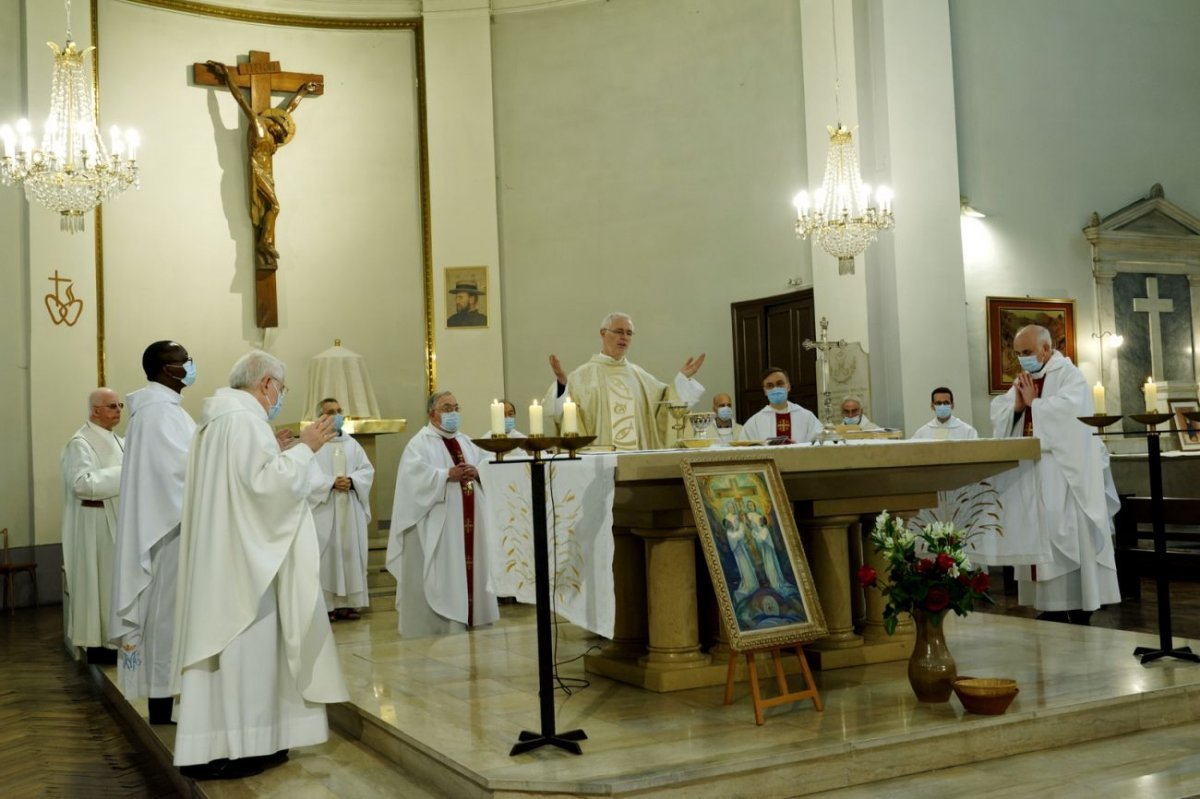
point(573, 443)
point(497, 445)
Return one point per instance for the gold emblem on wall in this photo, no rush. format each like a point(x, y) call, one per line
point(63, 306)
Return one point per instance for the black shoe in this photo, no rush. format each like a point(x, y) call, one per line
point(1054, 615)
point(223, 769)
point(269, 761)
point(160, 709)
point(99, 656)
point(1083, 617)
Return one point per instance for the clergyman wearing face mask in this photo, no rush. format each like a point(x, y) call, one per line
point(726, 426)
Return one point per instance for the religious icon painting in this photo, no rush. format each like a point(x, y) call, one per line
point(466, 287)
point(760, 575)
point(1187, 429)
point(1007, 315)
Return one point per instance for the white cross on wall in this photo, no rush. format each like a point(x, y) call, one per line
point(1154, 306)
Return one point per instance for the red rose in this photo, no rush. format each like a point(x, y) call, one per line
point(866, 576)
point(937, 599)
point(980, 582)
point(944, 562)
point(924, 565)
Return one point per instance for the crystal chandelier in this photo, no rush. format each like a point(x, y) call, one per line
point(841, 216)
point(72, 172)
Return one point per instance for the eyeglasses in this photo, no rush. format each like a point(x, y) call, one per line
point(619, 332)
point(112, 406)
point(447, 409)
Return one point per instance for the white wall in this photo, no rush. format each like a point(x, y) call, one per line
point(15, 479)
point(648, 151)
point(1063, 109)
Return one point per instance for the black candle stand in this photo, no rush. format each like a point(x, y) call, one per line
point(548, 736)
point(1162, 585)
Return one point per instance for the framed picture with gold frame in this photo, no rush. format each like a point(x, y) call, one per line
point(764, 588)
point(1007, 315)
point(467, 287)
point(1188, 431)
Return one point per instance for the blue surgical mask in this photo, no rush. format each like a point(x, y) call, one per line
point(510, 424)
point(943, 411)
point(1030, 363)
point(724, 413)
point(851, 419)
point(777, 396)
point(189, 373)
point(450, 420)
point(338, 419)
point(277, 407)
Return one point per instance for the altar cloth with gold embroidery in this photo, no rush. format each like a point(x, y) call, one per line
point(579, 502)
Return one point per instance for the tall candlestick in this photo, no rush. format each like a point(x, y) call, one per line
point(535, 419)
point(570, 422)
point(1098, 399)
point(1151, 392)
point(497, 418)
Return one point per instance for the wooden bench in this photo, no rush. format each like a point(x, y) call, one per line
point(1135, 542)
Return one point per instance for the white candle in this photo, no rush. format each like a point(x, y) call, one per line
point(570, 422)
point(1098, 399)
point(1151, 391)
point(535, 419)
point(497, 418)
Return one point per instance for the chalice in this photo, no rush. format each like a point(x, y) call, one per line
point(701, 422)
point(679, 411)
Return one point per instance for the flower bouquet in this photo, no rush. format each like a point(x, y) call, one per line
point(927, 571)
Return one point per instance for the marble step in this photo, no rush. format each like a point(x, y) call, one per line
point(380, 578)
point(376, 559)
point(382, 599)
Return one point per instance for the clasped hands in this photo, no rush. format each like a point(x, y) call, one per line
point(1026, 392)
point(342, 484)
point(463, 473)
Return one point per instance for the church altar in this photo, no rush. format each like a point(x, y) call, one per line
point(664, 631)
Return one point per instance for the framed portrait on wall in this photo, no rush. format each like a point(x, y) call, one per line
point(467, 302)
point(1007, 315)
point(759, 572)
point(1187, 430)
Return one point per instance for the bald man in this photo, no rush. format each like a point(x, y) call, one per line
point(727, 428)
point(91, 472)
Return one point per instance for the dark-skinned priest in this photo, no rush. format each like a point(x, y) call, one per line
point(255, 661)
point(1060, 506)
point(617, 401)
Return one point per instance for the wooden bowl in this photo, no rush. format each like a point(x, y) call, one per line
point(985, 696)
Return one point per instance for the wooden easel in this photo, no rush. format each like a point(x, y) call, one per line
point(785, 695)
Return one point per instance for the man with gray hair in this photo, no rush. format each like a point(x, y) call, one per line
point(91, 471)
point(438, 547)
point(255, 661)
point(619, 402)
point(1057, 516)
point(852, 413)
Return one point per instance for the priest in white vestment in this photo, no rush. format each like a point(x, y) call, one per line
point(1067, 497)
point(340, 496)
point(438, 548)
point(781, 420)
point(620, 403)
point(255, 660)
point(91, 472)
point(852, 414)
point(726, 427)
point(146, 559)
point(944, 426)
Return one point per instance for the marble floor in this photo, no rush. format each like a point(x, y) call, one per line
point(445, 712)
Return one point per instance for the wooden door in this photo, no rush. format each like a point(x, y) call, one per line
point(768, 332)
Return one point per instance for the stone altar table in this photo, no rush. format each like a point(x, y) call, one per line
point(657, 636)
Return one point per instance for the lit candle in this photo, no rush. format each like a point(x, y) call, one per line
point(1151, 392)
point(497, 418)
point(535, 419)
point(1098, 398)
point(570, 422)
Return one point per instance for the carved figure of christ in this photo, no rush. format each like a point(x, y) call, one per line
point(269, 129)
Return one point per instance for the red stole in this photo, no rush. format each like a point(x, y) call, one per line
point(468, 520)
point(1026, 432)
point(783, 425)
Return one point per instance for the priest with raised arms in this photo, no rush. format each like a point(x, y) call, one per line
point(781, 421)
point(255, 661)
point(91, 471)
point(146, 560)
point(617, 401)
point(1066, 499)
point(438, 547)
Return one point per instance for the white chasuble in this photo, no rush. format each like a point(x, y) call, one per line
point(341, 519)
point(255, 661)
point(805, 426)
point(91, 473)
point(1066, 499)
point(427, 546)
point(142, 608)
point(622, 411)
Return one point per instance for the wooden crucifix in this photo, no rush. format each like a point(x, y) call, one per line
point(270, 128)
